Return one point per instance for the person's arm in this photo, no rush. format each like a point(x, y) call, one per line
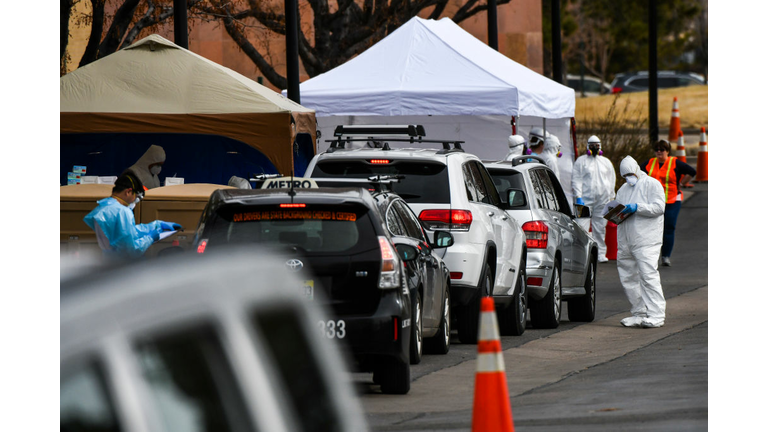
point(576, 179)
point(684, 172)
point(653, 204)
point(129, 238)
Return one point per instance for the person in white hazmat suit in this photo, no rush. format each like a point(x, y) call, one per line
point(551, 150)
point(639, 240)
point(593, 181)
point(516, 146)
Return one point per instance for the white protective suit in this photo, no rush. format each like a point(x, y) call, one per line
point(516, 146)
point(639, 245)
point(154, 155)
point(549, 154)
point(593, 179)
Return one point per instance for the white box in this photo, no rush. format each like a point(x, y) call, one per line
point(89, 180)
point(107, 180)
point(174, 181)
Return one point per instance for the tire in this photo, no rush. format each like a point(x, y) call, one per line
point(469, 315)
point(582, 309)
point(440, 343)
point(512, 320)
point(545, 313)
point(417, 332)
point(394, 377)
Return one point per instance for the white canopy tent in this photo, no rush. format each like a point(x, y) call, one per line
point(436, 74)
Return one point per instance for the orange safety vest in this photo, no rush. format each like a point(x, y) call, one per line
point(666, 175)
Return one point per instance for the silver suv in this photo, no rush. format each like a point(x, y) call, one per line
point(223, 342)
point(449, 189)
point(561, 255)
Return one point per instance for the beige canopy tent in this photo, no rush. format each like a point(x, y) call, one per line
point(155, 86)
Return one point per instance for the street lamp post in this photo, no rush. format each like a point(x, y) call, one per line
point(180, 36)
point(292, 49)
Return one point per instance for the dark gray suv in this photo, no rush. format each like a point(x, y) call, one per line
point(639, 81)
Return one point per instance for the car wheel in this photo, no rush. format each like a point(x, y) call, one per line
point(512, 320)
point(545, 313)
point(469, 315)
point(441, 342)
point(394, 377)
point(582, 309)
point(417, 332)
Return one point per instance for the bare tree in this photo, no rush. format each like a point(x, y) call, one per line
point(334, 37)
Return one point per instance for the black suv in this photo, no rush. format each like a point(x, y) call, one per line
point(339, 243)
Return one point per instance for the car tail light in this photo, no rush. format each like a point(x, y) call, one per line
point(390, 265)
point(202, 245)
point(615, 90)
point(297, 205)
point(379, 161)
point(457, 220)
point(457, 275)
point(534, 281)
point(394, 321)
point(536, 234)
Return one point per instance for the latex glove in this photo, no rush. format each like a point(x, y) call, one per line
point(579, 201)
point(629, 208)
point(170, 226)
point(155, 236)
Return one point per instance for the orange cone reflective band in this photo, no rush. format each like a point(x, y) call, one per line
point(674, 123)
point(680, 153)
point(492, 411)
point(702, 159)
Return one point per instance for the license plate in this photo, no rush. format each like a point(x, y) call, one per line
point(309, 289)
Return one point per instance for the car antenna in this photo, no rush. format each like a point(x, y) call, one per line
point(291, 192)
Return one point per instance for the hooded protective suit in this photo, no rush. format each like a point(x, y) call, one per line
point(141, 169)
point(516, 146)
point(639, 245)
point(593, 179)
point(549, 154)
point(117, 232)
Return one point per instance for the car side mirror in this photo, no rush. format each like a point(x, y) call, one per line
point(443, 239)
point(581, 211)
point(407, 252)
point(516, 198)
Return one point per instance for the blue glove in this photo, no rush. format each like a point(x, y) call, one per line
point(155, 235)
point(169, 226)
point(629, 209)
point(579, 201)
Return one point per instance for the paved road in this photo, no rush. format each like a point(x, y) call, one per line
point(596, 376)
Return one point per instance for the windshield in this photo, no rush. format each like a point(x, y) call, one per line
point(314, 228)
point(424, 182)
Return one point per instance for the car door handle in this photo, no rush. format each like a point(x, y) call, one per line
point(504, 217)
point(490, 214)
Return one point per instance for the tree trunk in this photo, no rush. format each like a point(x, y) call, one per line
point(97, 25)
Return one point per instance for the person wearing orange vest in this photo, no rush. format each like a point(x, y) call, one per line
point(672, 173)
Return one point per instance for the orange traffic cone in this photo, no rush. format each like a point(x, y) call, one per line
point(492, 411)
point(674, 123)
point(702, 160)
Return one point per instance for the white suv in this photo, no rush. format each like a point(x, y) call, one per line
point(449, 189)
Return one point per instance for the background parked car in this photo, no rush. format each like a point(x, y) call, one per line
point(639, 81)
point(223, 342)
point(593, 86)
point(562, 257)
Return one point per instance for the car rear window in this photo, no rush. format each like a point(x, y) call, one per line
point(318, 228)
point(505, 179)
point(424, 182)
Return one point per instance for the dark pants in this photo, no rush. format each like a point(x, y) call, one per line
point(670, 221)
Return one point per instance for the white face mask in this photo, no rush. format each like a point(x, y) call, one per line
point(632, 180)
point(133, 204)
point(155, 170)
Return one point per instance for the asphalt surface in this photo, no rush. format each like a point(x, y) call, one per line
point(584, 376)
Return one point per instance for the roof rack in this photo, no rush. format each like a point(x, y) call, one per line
point(519, 160)
point(380, 135)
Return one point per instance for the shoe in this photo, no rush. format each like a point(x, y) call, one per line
point(652, 323)
point(602, 259)
point(665, 261)
point(633, 321)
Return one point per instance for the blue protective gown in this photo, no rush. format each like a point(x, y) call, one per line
point(126, 238)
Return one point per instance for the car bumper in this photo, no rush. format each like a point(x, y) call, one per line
point(538, 265)
point(384, 334)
